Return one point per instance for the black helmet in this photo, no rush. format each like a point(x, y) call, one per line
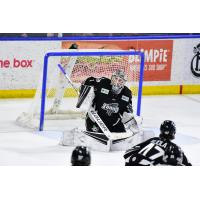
point(80, 156)
point(167, 130)
point(73, 46)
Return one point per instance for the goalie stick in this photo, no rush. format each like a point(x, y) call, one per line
point(100, 123)
point(68, 79)
point(93, 113)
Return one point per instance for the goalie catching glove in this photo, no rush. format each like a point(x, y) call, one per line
point(131, 123)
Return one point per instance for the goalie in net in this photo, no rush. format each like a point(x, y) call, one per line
point(110, 115)
point(114, 114)
point(112, 101)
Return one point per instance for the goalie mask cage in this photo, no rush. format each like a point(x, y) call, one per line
point(50, 101)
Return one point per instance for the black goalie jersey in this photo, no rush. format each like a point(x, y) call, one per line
point(108, 105)
point(155, 151)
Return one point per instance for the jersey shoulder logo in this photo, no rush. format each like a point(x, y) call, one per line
point(104, 91)
point(111, 108)
point(125, 98)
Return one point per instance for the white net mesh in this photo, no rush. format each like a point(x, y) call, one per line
point(59, 91)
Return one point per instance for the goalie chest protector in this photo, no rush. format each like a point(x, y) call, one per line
point(109, 105)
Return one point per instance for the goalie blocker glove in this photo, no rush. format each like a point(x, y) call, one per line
point(85, 89)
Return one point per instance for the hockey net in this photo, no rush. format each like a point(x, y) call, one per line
point(61, 97)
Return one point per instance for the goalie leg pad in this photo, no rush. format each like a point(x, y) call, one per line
point(76, 137)
point(98, 141)
point(126, 143)
point(122, 144)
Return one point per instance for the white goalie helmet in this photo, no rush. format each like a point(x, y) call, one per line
point(118, 80)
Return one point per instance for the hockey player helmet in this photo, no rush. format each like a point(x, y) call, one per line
point(167, 130)
point(118, 80)
point(73, 46)
point(81, 156)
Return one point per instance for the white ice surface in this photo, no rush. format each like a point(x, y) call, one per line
point(20, 146)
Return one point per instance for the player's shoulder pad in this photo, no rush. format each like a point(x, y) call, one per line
point(127, 91)
point(102, 79)
point(91, 80)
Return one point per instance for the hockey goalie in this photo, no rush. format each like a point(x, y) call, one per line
point(110, 123)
